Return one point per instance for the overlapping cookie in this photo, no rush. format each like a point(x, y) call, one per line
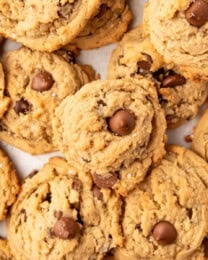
point(108, 25)
point(59, 216)
point(36, 83)
point(45, 25)
point(112, 128)
point(9, 185)
point(200, 136)
point(165, 217)
point(178, 30)
point(4, 99)
point(181, 94)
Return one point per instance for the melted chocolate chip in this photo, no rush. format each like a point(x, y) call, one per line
point(197, 13)
point(173, 81)
point(143, 67)
point(122, 122)
point(205, 244)
point(42, 81)
point(105, 181)
point(164, 233)
point(21, 106)
point(65, 228)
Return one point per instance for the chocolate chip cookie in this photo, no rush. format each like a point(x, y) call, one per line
point(59, 216)
point(4, 99)
point(178, 30)
point(165, 217)
point(200, 136)
point(45, 25)
point(36, 83)
point(5, 252)
point(9, 185)
point(108, 25)
point(114, 128)
point(181, 94)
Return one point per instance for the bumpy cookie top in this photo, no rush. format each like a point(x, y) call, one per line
point(9, 185)
point(45, 25)
point(60, 216)
point(5, 252)
point(4, 100)
point(200, 136)
point(178, 30)
point(107, 125)
point(165, 217)
point(108, 25)
point(36, 83)
point(180, 93)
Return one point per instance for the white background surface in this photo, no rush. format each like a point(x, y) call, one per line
point(99, 59)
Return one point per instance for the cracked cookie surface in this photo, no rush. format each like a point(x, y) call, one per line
point(178, 30)
point(181, 94)
point(36, 83)
point(58, 216)
point(108, 25)
point(45, 25)
point(165, 217)
point(115, 129)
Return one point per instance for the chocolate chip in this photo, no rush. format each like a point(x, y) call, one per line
point(102, 10)
point(65, 228)
point(47, 197)
point(148, 57)
point(159, 74)
point(105, 181)
point(173, 81)
point(164, 233)
point(21, 106)
point(67, 55)
point(205, 243)
point(42, 81)
point(197, 13)
point(122, 122)
point(97, 193)
point(189, 213)
point(143, 67)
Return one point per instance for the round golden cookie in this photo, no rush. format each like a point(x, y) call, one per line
point(106, 26)
point(200, 136)
point(45, 25)
point(112, 128)
point(5, 251)
point(178, 30)
point(59, 216)
point(165, 217)
point(36, 83)
point(181, 94)
point(9, 185)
